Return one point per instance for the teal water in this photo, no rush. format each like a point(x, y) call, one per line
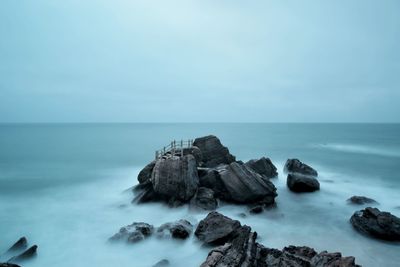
point(62, 185)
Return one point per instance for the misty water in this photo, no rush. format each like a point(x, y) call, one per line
point(63, 186)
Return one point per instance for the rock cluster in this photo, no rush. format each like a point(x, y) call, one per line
point(204, 173)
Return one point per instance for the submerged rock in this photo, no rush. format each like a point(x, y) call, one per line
point(213, 152)
point(21, 244)
point(175, 177)
point(162, 263)
point(180, 229)
point(300, 183)
point(361, 200)
point(204, 199)
point(256, 209)
point(264, 167)
point(216, 228)
point(296, 166)
point(372, 221)
point(133, 233)
point(26, 255)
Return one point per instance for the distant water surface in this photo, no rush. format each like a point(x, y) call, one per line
point(62, 186)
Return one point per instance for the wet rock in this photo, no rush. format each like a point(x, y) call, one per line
point(296, 256)
point(373, 222)
point(145, 193)
point(21, 244)
point(301, 183)
point(216, 228)
point(264, 167)
point(204, 199)
point(256, 209)
point(213, 152)
point(239, 184)
point(361, 200)
point(162, 263)
point(145, 174)
point(26, 255)
point(180, 229)
point(196, 152)
point(175, 177)
point(133, 233)
point(8, 265)
point(296, 166)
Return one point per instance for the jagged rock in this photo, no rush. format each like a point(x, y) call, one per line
point(26, 255)
point(180, 229)
point(145, 174)
point(133, 233)
point(8, 265)
point(204, 199)
point(301, 183)
point(162, 263)
point(296, 166)
point(212, 151)
point(216, 228)
point(175, 177)
point(21, 244)
point(238, 183)
point(361, 200)
point(372, 221)
point(264, 167)
point(295, 256)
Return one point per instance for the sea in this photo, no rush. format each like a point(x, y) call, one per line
point(66, 187)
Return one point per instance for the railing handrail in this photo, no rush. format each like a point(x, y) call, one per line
point(174, 146)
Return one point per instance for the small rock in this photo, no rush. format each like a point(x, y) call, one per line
point(133, 233)
point(180, 229)
point(21, 244)
point(257, 209)
point(300, 183)
point(381, 225)
point(296, 166)
point(162, 263)
point(26, 255)
point(361, 200)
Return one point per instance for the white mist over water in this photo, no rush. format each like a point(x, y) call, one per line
point(362, 149)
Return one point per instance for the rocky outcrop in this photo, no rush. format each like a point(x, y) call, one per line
point(204, 199)
point(26, 255)
point(21, 244)
point(213, 152)
point(180, 229)
point(264, 167)
point(238, 248)
point(361, 200)
point(133, 233)
point(300, 183)
point(175, 177)
point(296, 166)
point(145, 173)
point(373, 222)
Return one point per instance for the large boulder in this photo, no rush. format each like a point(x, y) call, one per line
point(134, 233)
point(212, 151)
point(296, 166)
point(264, 167)
point(145, 174)
point(361, 200)
point(180, 229)
point(242, 185)
point(175, 177)
point(216, 228)
point(204, 199)
point(300, 183)
point(372, 221)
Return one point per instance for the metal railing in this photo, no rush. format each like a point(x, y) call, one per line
point(174, 148)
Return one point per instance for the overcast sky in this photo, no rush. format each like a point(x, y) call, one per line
point(199, 61)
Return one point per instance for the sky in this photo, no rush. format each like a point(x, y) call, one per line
point(199, 61)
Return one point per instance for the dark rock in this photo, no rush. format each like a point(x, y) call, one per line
point(204, 199)
point(133, 233)
point(196, 152)
point(213, 152)
point(296, 166)
point(303, 256)
point(372, 221)
point(180, 229)
point(361, 200)
point(257, 209)
point(145, 193)
point(216, 228)
point(145, 174)
point(21, 244)
point(162, 263)
point(301, 183)
point(239, 184)
point(264, 167)
point(26, 255)
point(8, 265)
point(175, 177)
